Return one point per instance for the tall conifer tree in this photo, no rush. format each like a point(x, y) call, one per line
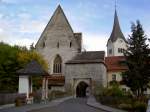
point(138, 60)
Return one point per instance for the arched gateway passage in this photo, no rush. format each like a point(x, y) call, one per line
point(81, 89)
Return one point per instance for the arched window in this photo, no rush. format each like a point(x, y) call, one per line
point(57, 66)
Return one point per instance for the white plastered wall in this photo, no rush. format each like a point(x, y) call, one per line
point(119, 43)
point(24, 85)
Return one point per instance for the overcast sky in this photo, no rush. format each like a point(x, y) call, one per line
point(22, 21)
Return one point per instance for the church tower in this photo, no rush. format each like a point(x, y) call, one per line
point(116, 42)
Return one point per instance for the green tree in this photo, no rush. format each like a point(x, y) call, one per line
point(32, 47)
point(138, 61)
point(24, 57)
point(13, 58)
point(8, 67)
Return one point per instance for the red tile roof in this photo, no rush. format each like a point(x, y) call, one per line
point(56, 80)
point(115, 64)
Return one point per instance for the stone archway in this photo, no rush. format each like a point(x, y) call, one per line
point(81, 89)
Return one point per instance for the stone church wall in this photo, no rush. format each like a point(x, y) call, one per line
point(50, 54)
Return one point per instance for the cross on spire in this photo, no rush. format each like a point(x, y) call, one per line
point(115, 4)
point(116, 32)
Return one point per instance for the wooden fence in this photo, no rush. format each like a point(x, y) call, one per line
point(9, 98)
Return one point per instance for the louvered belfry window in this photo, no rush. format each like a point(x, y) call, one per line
point(57, 66)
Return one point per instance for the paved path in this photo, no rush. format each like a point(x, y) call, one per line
point(71, 105)
point(27, 108)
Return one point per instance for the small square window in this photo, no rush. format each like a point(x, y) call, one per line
point(110, 51)
point(120, 50)
point(114, 77)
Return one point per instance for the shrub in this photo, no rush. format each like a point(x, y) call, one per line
point(114, 91)
point(98, 89)
point(112, 83)
point(140, 106)
point(125, 106)
point(115, 97)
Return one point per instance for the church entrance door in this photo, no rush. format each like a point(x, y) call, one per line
point(81, 89)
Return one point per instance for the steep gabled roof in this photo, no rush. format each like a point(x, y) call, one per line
point(58, 18)
point(116, 32)
point(88, 57)
point(32, 68)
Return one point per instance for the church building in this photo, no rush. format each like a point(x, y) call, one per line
point(72, 69)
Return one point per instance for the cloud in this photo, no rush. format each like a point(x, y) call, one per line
point(95, 42)
point(23, 42)
point(32, 26)
point(15, 1)
point(9, 1)
point(7, 29)
point(21, 30)
point(24, 15)
point(1, 16)
point(24, 2)
point(1, 30)
point(24, 23)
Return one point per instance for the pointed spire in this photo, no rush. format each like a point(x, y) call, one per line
point(116, 32)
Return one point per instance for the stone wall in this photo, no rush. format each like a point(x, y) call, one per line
point(58, 38)
point(95, 72)
point(64, 50)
